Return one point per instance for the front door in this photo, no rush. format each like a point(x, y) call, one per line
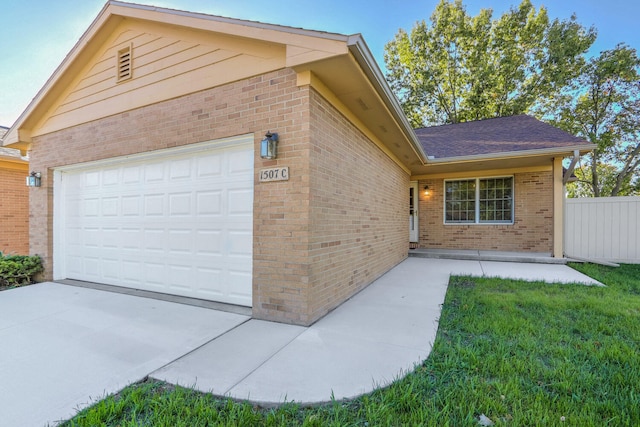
point(413, 212)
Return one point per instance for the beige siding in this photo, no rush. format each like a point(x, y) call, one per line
point(166, 63)
point(532, 230)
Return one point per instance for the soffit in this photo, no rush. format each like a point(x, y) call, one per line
point(513, 161)
point(345, 78)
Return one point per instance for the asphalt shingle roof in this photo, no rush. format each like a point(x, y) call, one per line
point(492, 136)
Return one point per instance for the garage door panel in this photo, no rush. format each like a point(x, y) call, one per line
point(130, 205)
point(153, 205)
point(111, 268)
point(240, 163)
point(180, 277)
point(239, 243)
point(131, 239)
point(91, 179)
point(110, 177)
point(155, 275)
point(204, 278)
point(180, 204)
point(180, 169)
point(208, 203)
point(154, 173)
point(180, 241)
point(240, 201)
point(154, 240)
point(209, 166)
point(91, 267)
point(209, 243)
point(239, 283)
point(110, 206)
point(179, 224)
point(131, 175)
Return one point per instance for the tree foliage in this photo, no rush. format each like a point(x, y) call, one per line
point(458, 68)
point(604, 108)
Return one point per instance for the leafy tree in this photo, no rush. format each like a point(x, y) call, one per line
point(607, 179)
point(458, 68)
point(604, 108)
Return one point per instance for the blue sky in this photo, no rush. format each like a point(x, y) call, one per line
point(35, 35)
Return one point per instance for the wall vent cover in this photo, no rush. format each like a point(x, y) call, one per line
point(124, 65)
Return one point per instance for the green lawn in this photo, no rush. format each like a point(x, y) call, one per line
point(522, 354)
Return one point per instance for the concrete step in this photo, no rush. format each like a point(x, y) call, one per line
point(477, 255)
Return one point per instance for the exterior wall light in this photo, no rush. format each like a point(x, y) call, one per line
point(426, 190)
point(269, 146)
point(33, 180)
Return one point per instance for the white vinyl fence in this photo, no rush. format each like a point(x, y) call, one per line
point(603, 228)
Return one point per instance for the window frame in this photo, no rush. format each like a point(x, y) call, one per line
point(477, 200)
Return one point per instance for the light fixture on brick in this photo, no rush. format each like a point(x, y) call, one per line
point(33, 180)
point(426, 190)
point(269, 146)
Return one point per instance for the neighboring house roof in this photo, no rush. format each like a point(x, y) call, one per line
point(8, 153)
point(495, 136)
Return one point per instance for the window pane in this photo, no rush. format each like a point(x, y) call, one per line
point(460, 201)
point(495, 203)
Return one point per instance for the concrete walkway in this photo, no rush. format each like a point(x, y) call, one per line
point(65, 347)
point(367, 342)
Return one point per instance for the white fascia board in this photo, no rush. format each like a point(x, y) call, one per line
point(363, 56)
point(561, 151)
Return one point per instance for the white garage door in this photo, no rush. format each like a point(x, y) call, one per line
point(175, 221)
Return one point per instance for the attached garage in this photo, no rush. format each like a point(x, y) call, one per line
point(148, 138)
point(176, 221)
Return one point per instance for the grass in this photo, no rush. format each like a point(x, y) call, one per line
point(520, 353)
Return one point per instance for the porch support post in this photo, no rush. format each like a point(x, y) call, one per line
point(558, 209)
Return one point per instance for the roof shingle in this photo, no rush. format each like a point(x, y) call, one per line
point(492, 136)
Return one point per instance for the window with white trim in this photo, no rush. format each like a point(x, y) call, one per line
point(479, 201)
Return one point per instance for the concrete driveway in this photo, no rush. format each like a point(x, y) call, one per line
point(64, 347)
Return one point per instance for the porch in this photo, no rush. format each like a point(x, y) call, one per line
point(483, 255)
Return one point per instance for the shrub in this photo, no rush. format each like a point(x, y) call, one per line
point(18, 270)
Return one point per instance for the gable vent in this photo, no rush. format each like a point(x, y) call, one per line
point(124, 66)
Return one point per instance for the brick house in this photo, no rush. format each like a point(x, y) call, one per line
point(149, 140)
point(14, 201)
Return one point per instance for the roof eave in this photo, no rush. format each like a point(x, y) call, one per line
point(13, 159)
point(563, 151)
point(14, 138)
point(365, 59)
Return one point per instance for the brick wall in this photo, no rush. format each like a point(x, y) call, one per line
point(532, 230)
point(358, 203)
point(257, 105)
point(318, 237)
point(14, 209)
